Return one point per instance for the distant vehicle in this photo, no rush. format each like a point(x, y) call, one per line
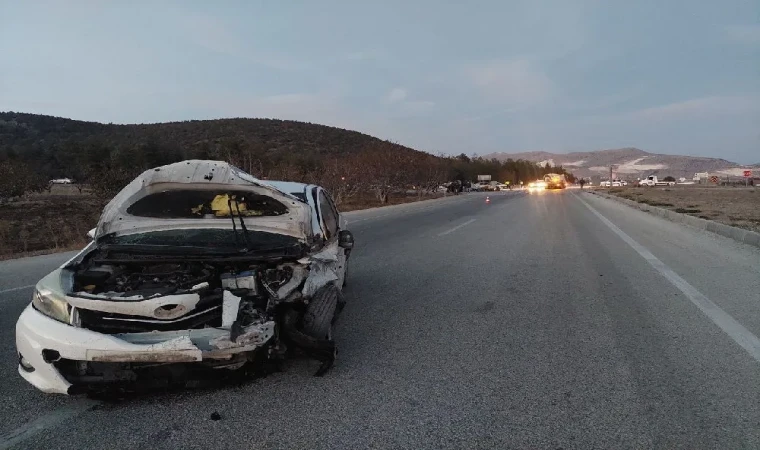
point(61, 181)
point(485, 186)
point(502, 187)
point(652, 180)
point(605, 183)
point(555, 181)
point(537, 185)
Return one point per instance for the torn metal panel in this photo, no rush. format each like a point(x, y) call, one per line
point(230, 308)
point(298, 276)
point(180, 349)
point(252, 337)
point(323, 269)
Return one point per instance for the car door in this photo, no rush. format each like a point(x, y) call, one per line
point(330, 222)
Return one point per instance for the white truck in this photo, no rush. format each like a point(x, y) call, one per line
point(652, 180)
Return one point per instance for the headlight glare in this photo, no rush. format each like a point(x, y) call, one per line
point(52, 305)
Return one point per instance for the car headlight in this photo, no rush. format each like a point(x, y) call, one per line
point(52, 305)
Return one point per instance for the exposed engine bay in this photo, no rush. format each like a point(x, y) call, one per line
point(261, 306)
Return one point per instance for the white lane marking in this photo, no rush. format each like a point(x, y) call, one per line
point(370, 218)
point(17, 288)
point(456, 227)
point(722, 319)
point(50, 420)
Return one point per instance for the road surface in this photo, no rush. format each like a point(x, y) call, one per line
point(551, 320)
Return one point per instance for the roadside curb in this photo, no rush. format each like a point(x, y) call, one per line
point(737, 234)
point(397, 206)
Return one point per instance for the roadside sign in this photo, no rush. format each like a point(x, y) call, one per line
point(747, 173)
point(714, 179)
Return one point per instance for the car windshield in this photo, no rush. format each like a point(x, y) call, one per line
point(202, 204)
point(204, 238)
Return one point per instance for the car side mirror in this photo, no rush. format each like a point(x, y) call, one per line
point(91, 234)
point(346, 239)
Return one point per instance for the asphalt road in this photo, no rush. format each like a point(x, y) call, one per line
point(552, 320)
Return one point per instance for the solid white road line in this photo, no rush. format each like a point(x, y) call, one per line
point(456, 227)
point(722, 319)
point(50, 420)
point(17, 288)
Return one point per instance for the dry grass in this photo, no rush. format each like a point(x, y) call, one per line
point(46, 223)
point(370, 201)
point(735, 206)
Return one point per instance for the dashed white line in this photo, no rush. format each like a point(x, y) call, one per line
point(722, 319)
point(16, 288)
point(50, 420)
point(456, 227)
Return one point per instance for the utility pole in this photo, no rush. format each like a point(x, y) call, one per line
point(611, 167)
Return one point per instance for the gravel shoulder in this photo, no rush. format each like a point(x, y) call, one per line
point(734, 206)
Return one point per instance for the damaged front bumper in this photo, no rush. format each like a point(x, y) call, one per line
point(43, 343)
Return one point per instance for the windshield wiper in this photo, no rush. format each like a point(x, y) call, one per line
point(242, 225)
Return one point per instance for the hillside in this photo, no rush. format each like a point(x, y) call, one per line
point(53, 141)
point(631, 162)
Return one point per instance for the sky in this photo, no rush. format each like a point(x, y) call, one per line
point(666, 76)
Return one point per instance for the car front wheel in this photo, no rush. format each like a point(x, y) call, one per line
point(319, 316)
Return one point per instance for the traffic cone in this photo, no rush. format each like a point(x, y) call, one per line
point(488, 200)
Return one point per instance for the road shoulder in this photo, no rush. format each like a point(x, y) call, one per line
point(735, 233)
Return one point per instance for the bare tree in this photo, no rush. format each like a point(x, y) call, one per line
point(17, 178)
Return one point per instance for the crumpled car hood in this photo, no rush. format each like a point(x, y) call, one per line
point(200, 174)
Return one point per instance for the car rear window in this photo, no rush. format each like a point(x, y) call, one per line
point(188, 204)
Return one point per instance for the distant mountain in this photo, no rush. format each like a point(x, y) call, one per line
point(631, 163)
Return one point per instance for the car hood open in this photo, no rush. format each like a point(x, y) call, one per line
point(201, 174)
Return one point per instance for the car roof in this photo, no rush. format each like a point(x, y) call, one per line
point(288, 186)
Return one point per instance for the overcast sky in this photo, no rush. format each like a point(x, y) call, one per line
point(668, 76)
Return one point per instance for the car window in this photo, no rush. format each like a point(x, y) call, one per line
point(205, 204)
point(329, 216)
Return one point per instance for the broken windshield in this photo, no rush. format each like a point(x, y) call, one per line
point(187, 204)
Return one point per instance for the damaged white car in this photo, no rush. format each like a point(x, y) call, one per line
point(195, 270)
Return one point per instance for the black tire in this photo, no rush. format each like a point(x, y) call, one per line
point(318, 318)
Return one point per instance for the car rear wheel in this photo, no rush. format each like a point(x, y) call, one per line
point(318, 319)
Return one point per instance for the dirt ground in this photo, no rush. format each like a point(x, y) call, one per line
point(47, 222)
point(735, 206)
point(58, 220)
